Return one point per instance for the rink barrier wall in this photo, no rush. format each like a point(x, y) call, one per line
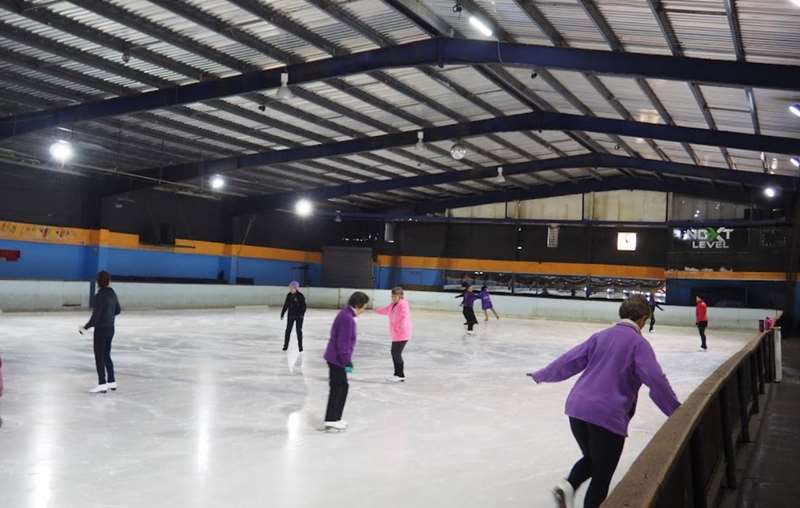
point(50, 295)
point(692, 459)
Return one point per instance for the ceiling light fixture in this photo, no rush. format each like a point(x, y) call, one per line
point(217, 182)
point(458, 151)
point(420, 141)
point(795, 162)
point(480, 26)
point(795, 109)
point(338, 217)
point(500, 176)
point(303, 208)
point(770, 192)
point(284, 92)
point(61, 151)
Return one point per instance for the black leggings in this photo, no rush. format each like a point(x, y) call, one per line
point(701, 327)
point(601, 452)
point(469, 315)
point(338, 392)
point(298, 328)
point(397, 357)
point(102, 355)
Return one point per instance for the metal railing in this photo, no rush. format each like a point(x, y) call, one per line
point(692, 458)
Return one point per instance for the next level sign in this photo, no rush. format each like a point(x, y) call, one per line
point(706, 238)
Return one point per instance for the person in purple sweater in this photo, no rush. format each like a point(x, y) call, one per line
point(339, 355)
point(469, 298)
point(615, 363)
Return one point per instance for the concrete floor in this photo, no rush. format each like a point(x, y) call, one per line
point(208, 415)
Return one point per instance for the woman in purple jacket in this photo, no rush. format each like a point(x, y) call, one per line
point(339, 355)
point(615, 363)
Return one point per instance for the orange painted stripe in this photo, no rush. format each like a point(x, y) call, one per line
point(532, 267)
point(754, 276)
point(22, 232)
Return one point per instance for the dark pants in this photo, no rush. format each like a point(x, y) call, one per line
point(338, 394)
point(701, 327)
point(601, 452)
point(652, 318)
point(102, 354)
point(298, 328)
point(397, 357)
point(469, 315)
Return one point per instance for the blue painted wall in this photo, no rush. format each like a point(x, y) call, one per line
point(388, 277)
point(68, 262)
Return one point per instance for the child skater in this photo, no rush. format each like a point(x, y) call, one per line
point(106, 309)
point(400, 328)
point(339, 354)
point(469, 298)
point(486, 303)
point(615, 363)
point(295, 305)
point(653, 306)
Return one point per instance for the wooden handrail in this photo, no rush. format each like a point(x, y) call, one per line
point(647, 476)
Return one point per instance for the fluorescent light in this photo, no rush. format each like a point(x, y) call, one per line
point(795, 160)
point(420, 141)
point(217, 182)
point(480, 26)
point(500, 176)
point(303, 208)
point(770, 192)
point(61, 151)
point(795, 109)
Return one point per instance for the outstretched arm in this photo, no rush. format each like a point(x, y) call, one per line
point(566, 365)
point(285, 306)
point(649, 372)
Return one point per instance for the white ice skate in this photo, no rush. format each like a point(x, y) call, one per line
point(112, 386)
point(99, 389)
point(395, 379)
point(339, 426)
point(564, 495)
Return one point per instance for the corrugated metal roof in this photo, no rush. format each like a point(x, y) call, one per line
point(328, 113)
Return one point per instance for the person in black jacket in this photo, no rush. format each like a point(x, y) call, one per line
point(106, 309)
point(295, 306)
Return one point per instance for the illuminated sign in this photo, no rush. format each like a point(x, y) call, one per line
point(706, 238)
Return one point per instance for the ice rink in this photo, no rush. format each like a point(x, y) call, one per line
point(208, 415)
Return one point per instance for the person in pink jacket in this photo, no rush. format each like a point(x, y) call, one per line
point(400, 328)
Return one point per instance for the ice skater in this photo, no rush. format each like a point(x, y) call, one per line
point(701, 319)
point(486, 303)
point(339, 355)
point(106, 309)
point(615, 363)
point(653, 306)
point(399, 313)
point(295, 306)
point(468, 299)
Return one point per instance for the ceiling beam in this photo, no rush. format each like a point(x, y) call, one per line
point(540, 120)
point(432, 51)
point(658, 167)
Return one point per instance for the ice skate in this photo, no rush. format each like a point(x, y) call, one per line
point(336, 426)
point(99, 389)
point(564, 494)
point(395, 379)
point(112, 386)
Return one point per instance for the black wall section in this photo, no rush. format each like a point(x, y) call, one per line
point(753, 250)
point(46, 197)
point(484, 241)
point(191, 217)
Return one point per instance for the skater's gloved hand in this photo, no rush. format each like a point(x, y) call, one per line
point(81, 329)
point(533, 378)
point(348, 368)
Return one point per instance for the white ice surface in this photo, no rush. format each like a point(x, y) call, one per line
point(207, 414)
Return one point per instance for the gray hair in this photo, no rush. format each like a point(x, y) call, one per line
point(634, 308)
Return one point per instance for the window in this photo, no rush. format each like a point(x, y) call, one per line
point(626, 241)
